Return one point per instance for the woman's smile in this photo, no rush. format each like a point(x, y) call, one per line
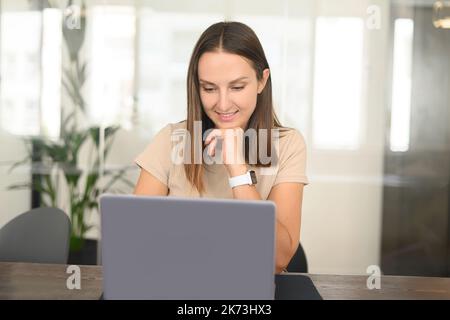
point(227, 117)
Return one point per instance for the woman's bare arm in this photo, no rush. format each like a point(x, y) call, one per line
point(148, 185)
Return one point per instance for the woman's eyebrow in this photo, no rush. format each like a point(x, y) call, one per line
point(231, 82)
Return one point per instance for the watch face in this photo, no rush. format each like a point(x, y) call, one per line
point(253, 176)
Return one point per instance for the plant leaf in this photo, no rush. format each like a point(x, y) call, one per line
point(19, 163)
point(19, 186)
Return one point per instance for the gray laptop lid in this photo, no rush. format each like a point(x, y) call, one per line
point(183, 248)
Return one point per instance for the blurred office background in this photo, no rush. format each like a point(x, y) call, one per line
point(367, 82)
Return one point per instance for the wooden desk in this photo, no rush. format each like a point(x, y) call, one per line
point(42, 281)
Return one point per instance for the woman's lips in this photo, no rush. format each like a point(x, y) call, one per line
point(227, 117)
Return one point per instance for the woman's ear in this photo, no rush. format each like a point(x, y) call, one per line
point(263, 81)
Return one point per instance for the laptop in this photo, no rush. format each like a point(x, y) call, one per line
point(187, 248)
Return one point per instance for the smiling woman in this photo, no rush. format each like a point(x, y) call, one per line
point(229, 86)
point(229, 89)
point(229, 104)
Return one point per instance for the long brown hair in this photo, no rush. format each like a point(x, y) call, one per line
point(236, 38)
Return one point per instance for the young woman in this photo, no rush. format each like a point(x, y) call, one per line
point(229, 90)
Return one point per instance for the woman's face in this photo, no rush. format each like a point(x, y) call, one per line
point(228, 88)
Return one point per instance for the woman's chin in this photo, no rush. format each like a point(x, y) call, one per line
point(228, 125)
point(225, 126)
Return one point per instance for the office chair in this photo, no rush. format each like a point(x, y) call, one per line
point(298, 262)
point(40, 235)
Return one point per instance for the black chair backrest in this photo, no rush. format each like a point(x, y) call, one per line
point(298, 262)
point(40, 235)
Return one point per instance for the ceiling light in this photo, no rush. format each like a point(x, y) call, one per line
point(441, 14)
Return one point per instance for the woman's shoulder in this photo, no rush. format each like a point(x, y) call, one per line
point(171, 128)
point(290, 135)
point(290, 143)
point(178, 125)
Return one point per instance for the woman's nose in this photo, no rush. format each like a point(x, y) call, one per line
point(223, 105)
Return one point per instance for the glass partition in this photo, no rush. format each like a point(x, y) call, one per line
point(85, 87)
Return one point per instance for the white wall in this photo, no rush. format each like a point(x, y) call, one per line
point(12, 202)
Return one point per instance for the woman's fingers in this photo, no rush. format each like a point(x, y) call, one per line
point(228, 138)
point(213, 134)
point(212, 148)
point(211, 141)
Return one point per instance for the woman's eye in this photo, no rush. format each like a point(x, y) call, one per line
point(213, 89)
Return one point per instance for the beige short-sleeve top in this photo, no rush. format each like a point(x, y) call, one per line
point(156, 158)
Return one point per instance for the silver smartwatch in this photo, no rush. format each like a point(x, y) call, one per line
point(249, 178)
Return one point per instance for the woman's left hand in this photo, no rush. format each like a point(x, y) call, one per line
point(232, 149)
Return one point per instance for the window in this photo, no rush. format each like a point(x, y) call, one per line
point(51, 73)
point(31, 72)
point(20, 70)
point(111, 65)
point(401, 86)
point(337, 93)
